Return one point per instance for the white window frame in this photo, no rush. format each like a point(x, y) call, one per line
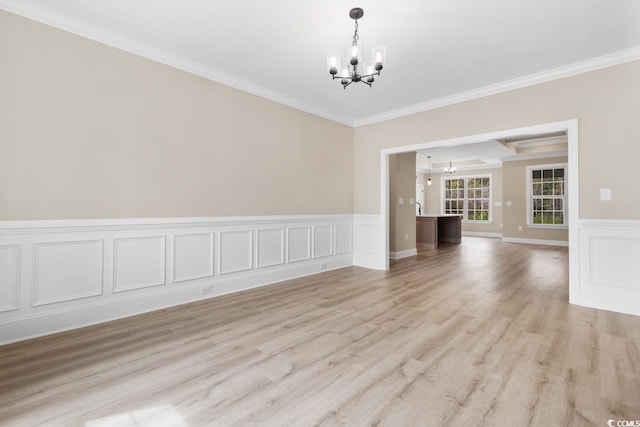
point(465, 204)
point(529, 190)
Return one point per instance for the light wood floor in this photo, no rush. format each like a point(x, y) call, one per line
point(473, 334)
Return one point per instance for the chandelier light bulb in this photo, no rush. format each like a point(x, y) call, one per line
point(333, 62)
point(354, 54)
point(379, 54)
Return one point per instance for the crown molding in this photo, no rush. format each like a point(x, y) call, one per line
point(101, 35)
point(569, 70)
point(66, 23)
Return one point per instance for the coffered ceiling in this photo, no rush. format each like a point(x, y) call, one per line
point(438, 51)
point(492, 153)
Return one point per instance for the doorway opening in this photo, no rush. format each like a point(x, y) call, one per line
point(570, 127)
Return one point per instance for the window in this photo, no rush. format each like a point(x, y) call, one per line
point(546, 195)
point(469, 197)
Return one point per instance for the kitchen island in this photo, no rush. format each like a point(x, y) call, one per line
point(432, 229)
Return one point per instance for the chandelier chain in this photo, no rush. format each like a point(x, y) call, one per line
point(355, 35)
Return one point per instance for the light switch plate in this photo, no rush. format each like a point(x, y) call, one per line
point(508, 203)
point(401, 200)
point(605, 194)
point(412, 201)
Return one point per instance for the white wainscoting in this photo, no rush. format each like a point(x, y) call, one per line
point(270, 247)
point(66, 271)
point(235, 251)
point(368, 238)
point(192, 256)
point(610, 265)
point(299, 243)
point(9, 271)
point(61, 275)
point(343, 238)
point(138, 262)
point(322, 241)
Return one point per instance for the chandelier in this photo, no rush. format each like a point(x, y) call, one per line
point(353, 71)
point(450, 169)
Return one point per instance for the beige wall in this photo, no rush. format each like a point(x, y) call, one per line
point(88, 131)
point(606, 103)
point(402, 217)
point(431, 204)
point(515, 190)
point(433, 198)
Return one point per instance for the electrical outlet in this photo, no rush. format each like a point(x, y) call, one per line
point(519, 228)
point(206, 290)
point(323, 266)
point(605, 194)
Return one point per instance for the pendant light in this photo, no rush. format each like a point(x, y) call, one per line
point(429, 180)
point(354, 71)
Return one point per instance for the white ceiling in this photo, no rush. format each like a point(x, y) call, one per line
point(436, 49)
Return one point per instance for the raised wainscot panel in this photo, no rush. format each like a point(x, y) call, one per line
point(609, 268)
point(343, 239)
point(322, 240)
point(613, 261)
point(298, 243)
point(270, 247)
point(9, 277)
point(236, 251)
point(192, 256)
point(366, 238)
point(138, 262)
point(65, 271)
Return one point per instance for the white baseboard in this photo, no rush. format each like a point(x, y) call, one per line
point(536, 241)
point(61, 275)
point(481, 234)
point(403, 254)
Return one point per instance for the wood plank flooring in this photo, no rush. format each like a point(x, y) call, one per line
point(466, 335)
